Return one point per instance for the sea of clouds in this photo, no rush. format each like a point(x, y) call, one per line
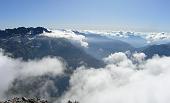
point(150, 37)
point(127, 78)
point(123, 80)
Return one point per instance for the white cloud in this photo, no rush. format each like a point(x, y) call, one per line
point(7, 73)
point(149, 37)
point(119, 59)
point(122, 84)
point(10, 69)
point(153, 37)
point(138, 57)
point(68, 34)
point(41, 67)
point(120, 81)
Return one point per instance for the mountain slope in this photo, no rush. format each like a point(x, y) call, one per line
point(102, 46)
point(26, 43)
point(161, 50)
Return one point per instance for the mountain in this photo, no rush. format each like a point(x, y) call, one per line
point(26, 43)
point(102, 46)
point(161, 50)
point(22, 31)
point(29, 44)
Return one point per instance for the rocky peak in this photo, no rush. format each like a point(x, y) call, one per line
point(23, 31)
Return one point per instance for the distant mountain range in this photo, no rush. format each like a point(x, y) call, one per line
point(27, 43)
point(161, 50)
point(102, 46)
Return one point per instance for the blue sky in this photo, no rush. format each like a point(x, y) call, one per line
point(133, 15)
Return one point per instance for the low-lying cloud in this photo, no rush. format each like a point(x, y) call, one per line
point(68, 34)
point(149, 37)
point(41, 67)
point(11, 68)
point(122, 81)
point(153, 37)
point(127, 78)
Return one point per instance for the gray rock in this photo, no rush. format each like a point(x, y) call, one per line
point(24, 100)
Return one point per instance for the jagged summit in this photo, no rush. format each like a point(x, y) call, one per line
point(23, 31)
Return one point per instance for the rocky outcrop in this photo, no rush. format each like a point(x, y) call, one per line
point(29, 100)
point(24, 100)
